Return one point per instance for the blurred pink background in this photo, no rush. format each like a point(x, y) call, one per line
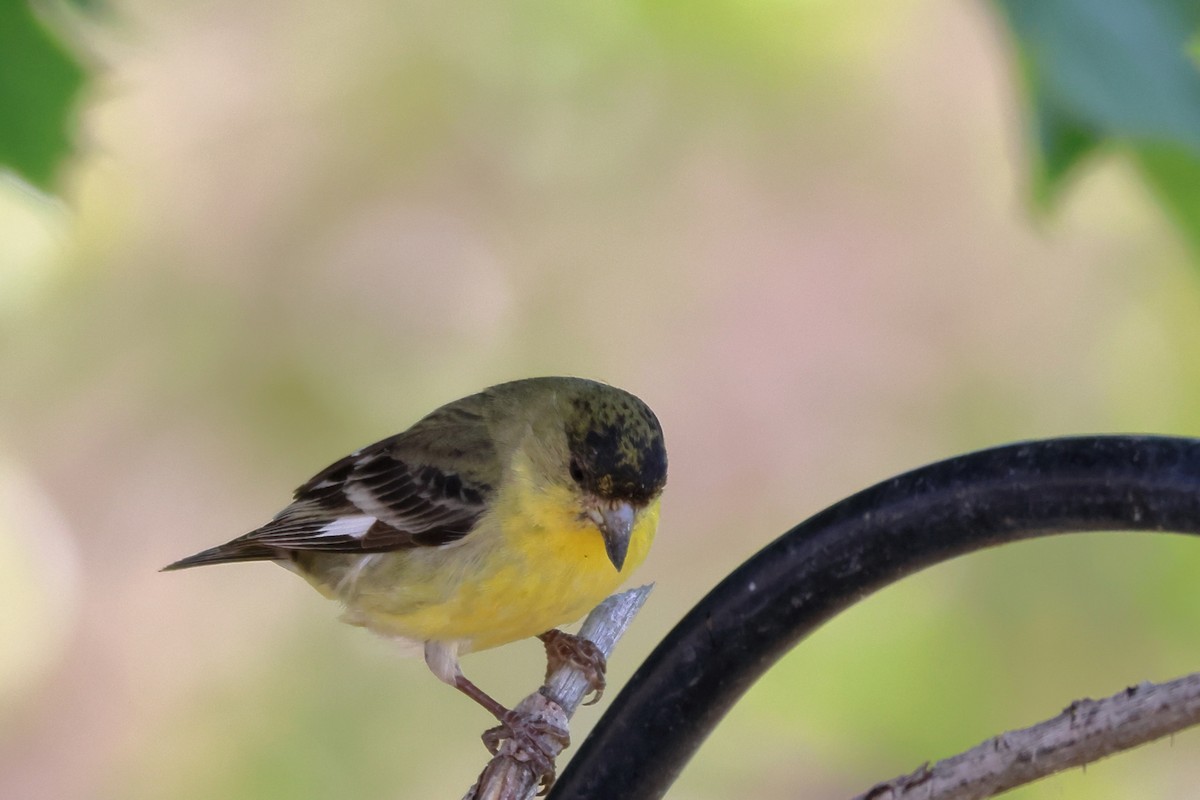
point(799, 230)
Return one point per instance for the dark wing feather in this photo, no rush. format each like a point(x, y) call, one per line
point(372, 502)
point(425, 487)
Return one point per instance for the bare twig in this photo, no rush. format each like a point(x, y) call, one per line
point(507, 777)
point(1086, 731)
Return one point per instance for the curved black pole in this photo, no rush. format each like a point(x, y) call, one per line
point(853, 548)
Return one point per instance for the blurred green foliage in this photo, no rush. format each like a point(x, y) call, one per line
point(1110, 71)
point(39, 82)
point(1114, 71)
point(1119, 71)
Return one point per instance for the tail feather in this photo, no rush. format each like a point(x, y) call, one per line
point(226, 554)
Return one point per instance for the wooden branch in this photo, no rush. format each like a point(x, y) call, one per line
point(507, 776)
point(1086, 731)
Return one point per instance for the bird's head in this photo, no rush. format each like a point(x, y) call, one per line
point(617, 461)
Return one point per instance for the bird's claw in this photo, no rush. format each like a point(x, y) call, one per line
point(565, 648)
point(529, 739)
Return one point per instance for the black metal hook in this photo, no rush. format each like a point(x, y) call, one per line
point(853, 548)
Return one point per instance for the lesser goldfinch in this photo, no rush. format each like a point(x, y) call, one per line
point(495, 518)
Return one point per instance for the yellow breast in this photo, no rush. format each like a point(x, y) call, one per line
point(533, 563)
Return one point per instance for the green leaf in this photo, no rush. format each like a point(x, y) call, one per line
point(1174, 175)
point(1063, 140)
point(1121, 71)
point(38, 84)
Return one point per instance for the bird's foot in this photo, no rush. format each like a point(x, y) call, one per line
point(534, 736)
point(566, 648)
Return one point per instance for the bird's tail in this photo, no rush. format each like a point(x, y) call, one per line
point(225, 554)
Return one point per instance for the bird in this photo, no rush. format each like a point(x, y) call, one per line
point(497, 517)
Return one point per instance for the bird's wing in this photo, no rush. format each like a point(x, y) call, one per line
point(425, 487)
point(374, 501)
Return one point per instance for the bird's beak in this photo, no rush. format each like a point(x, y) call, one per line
point(616, 524)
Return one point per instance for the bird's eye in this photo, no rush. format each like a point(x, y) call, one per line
point(576, 471)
